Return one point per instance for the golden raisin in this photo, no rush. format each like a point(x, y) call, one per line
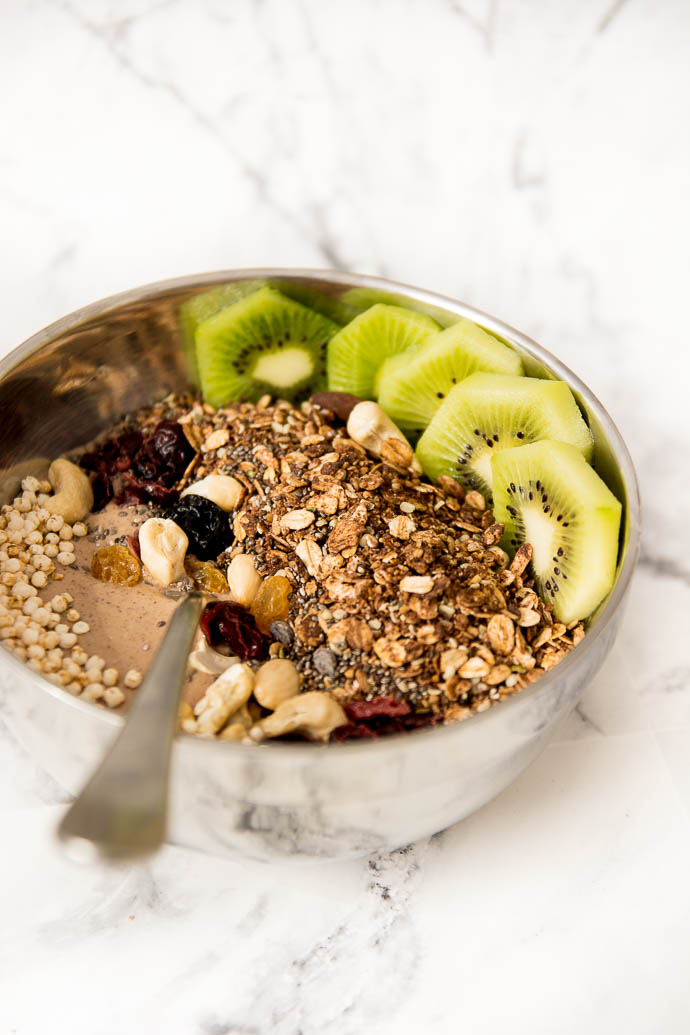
point(206, 576)
point(116, 564)
point(272, 602)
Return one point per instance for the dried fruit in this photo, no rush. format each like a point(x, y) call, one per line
point(388, 705)
point(139, 470)
point(166, 453)
point(116, 564)
point(205, 525)
point(206, 576)
point(272, 602)
point(340, 404)
point(228, 624)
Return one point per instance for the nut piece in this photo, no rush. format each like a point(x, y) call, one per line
point(221, 489)
point(276, 681)
point(224, 696)
point(238, 725)
point(315, 714)
point(243, 579)
point(206, 659)
point(73, 497)
point(311, 555)
point(216, 439)
point(401, 526)
point(373, 429)
point(523, 555)
point(295, 520)
point(163, 546)
point(417, 584)
point(500, 632)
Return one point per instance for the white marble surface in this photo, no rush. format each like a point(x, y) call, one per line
point(531, 159)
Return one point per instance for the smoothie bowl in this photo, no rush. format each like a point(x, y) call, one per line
point(415, 526)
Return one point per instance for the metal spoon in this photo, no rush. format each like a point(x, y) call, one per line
point(122, 811)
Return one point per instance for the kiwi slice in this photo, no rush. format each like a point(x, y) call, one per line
point(262, 343)
point(486, 413)
point(546, 494)
point(364, 298)
point(413, 385)
point(201, 306)
point(359, 349)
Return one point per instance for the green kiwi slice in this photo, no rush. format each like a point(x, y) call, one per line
point(363, 298)
point(262, 343)
point(546, 494)
point(201, 306)
point(412, 385)
point(486, 413)
point(358, 350)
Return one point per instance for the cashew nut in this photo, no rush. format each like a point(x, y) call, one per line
point(243, 579)
point(73, 497)
point(224, 696)
point(315, 714)
point(221, 489)
point(205, 659)
point(276, 681)
point(370, 427)
point(238, 725)
point(163, 546)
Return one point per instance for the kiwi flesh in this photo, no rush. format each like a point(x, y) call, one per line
point(487, 413)
point(363, 298)
point(546, 494)
point(201, 306)
point(412, 386)
point(358, 350)
point(264, 343)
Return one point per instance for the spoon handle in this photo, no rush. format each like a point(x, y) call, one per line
point(122, 811)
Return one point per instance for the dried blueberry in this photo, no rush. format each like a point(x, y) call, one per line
point(205, 525)
point(228, 624)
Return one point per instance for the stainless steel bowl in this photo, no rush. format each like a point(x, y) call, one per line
point(68, 383)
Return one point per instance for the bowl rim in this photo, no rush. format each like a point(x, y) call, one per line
point(297, 752)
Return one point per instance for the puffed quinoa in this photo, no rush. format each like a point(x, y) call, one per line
point(132, 678)
point(113, 696)
point(80, 627)
point(93, 691)
point(110, 676)
point(65, 558)
point(72, 615)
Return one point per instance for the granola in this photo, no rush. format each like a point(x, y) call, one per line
point(400, 590)
point(392, 595)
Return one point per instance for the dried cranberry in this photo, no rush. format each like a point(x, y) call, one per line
point(133, 543)
point(135, 491)
point(380, 718)
point(169, 445)
point(227, 623)
point(389, 706)
point(205, 524)
point(352, 731)
point(102, 491)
